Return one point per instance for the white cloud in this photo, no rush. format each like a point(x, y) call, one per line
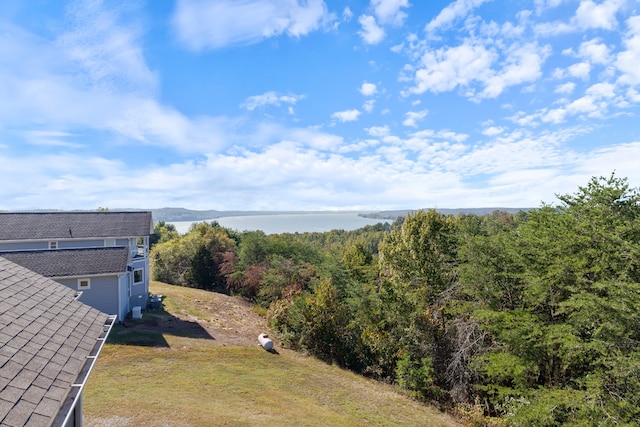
point(444, 69)
point(347, 14)
point(213, 25)
point(381, 13)
point(368, 89)
point(389, 12)
point(145, 120)
point(347, 115)
point(601, 16)
point(523, 64)
point(270, 98)
point(108, 52)
point(456, 10)
point(599, 162)
point(589, 15)
point(595, 51)
point(493, 131)
point(555, 115)
point(412, 117)
point(565, 88)
point(41, 87)
point(85, 81)
point(596, 102)
point(633, 95)
point(368, 105)
point(453, 136)
point(585, 104)
point(627, 61)
point(50, 138)
point(471, 63)
point(371, 33)
point(602, 90)
point(313, 138)
point(378, 131)
point(580, 70)
point(543, 5)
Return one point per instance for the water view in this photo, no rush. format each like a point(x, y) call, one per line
point(289, 223)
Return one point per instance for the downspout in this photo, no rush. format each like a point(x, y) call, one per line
point(119, 296)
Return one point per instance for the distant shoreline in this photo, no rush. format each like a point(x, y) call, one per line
point(181, 214)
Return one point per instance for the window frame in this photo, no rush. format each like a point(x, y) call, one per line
point(82, 288)
point(141, 281)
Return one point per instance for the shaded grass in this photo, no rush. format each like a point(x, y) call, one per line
point(121, 335)
point(192, 382)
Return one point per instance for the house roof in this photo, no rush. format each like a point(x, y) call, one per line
point(67, 225)
point(72, 262)
point(48, 341)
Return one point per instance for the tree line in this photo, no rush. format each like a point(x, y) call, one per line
point(526, 319)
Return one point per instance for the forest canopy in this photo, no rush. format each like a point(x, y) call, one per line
point(528, 318)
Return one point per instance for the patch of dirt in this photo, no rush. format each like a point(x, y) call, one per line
point(226, 319)
point(229, 320)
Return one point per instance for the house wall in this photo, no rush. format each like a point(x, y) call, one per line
point(20, 246)
point(62, 244)
point(102, 295)
point(140, 292)
point(72, 244)
point(123, 291)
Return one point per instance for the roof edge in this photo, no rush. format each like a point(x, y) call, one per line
point(66, 411)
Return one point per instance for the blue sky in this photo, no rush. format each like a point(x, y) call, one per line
point(314, 105)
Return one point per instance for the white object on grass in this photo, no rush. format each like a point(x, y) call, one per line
point(265, 341)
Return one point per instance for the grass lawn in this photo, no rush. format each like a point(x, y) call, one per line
point(167, 377)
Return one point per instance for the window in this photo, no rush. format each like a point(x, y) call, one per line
point(138, 276)
point(53, 245)
point(84, 284)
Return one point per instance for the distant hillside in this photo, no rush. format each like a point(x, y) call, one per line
point(393, 215)
point(181, 214)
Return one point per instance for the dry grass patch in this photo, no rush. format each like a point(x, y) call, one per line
point(203, 381)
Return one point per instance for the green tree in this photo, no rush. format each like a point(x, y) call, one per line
point(269, 266)
point(213, 247)
point(421, 254)
point(162, 232)
point(316, 321)
point(199, 259)
point(562, 307)
point(419, 258)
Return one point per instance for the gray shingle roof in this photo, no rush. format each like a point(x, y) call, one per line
point(72, 262)
point(65, 225)
point(46, 338)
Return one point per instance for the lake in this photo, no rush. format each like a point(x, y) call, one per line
point(289, 223)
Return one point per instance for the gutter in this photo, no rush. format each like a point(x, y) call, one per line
point(75, 395)
point(86, 276)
